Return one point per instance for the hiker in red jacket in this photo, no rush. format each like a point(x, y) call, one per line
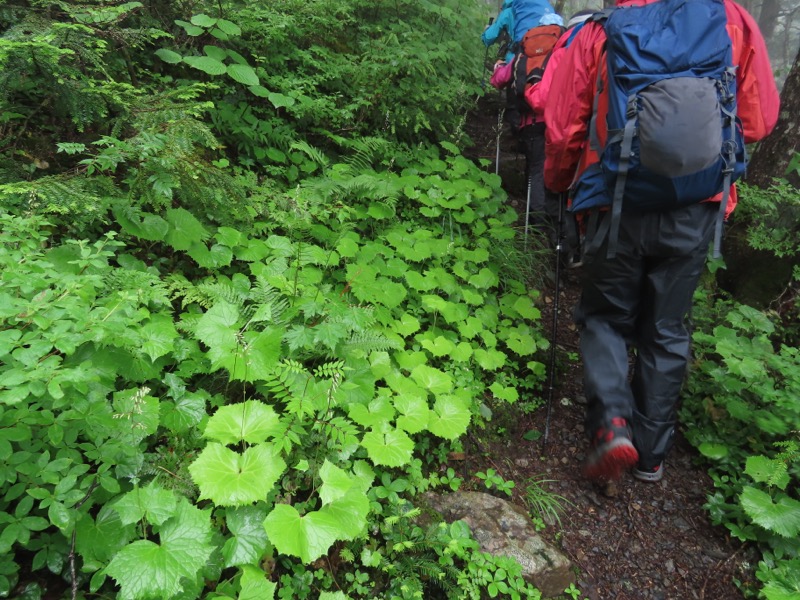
point(639, 299)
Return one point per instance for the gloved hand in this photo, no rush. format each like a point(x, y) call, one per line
point(535, 76)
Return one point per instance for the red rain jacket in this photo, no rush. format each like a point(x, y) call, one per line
point(568, 105)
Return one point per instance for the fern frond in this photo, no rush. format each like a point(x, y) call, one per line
point(316, 156)
point(148, 286)
point(365, 342)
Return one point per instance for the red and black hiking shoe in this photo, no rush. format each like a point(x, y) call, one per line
point(612, 452)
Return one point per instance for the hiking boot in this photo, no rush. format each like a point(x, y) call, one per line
point(611, 453)
point(653, 475)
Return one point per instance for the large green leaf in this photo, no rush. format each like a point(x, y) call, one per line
point(250, 421)
point(253, 361)
point(243, 74)
point(98, 539)
point(158, 336)
point(450, 419)
point(781, 516)
point(255, 585)
point(415, 412)
point(168, 56)
point(231, 479)
point(249, 540)
point(378, 411)
point(433, 380)
point(392, 448)
point(217, 327)
point(307, 537)
point(184, 229)
point(153, 502)
point(350, 513)
point(147, 570)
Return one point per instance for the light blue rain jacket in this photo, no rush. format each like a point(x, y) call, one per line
point(504, 21)
point(527, 14)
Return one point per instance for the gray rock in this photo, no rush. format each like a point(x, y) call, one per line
point(504, 529)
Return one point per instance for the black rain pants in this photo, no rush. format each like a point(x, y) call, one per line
point(639, 301)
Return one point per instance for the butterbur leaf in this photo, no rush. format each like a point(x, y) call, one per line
point(485, 278)
point(185, 229)
point(153, 502)
point(378, 411)
point(713, 451)
point(249, 540)
point(183, 414)
point(157, 338)
point(433, 380)
point(415, 413)
point(244, 74)
point(250, 421)
point(781, 517)
point(217, 327)
point(255, 585)
point(99, 538)
point(335, 482)
point(228, 478)
point(766, 470)
point(253, 361)
point(406, 324)
point(392, 448)
point(439, 346)
point(450, 419)
point(490, 359)
point(525, 308)
point(509, 394)
point(145, 569)
point(307, 537)
point(350, 513)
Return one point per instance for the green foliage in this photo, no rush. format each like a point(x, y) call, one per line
point(493, 480)
point(242, 321)
point(742, 414)
point(543, 503)
point(771, 217)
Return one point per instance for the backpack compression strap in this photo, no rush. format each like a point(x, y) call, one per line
point(730, 160)
point(622, 175)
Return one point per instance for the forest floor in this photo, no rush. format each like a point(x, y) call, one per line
point(632, 541)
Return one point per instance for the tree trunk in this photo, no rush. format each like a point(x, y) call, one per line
point(774, 154)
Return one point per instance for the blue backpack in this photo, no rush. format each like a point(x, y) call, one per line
point(673, 138)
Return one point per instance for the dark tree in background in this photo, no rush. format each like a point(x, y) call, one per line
point(776, 152)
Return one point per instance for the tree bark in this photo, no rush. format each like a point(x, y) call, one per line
point(774, 153)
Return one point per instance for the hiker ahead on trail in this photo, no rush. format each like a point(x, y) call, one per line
point(641, 159)
point(502, 28)
point(533, 48)
point(529, 14)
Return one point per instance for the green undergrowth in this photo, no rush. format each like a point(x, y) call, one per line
point(741, 408)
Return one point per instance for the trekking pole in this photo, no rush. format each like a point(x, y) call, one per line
point(485, 58)
point(528, 201)
point(500, 112)
point(559, 247)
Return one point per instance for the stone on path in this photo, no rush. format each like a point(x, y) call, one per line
point(504, 529)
